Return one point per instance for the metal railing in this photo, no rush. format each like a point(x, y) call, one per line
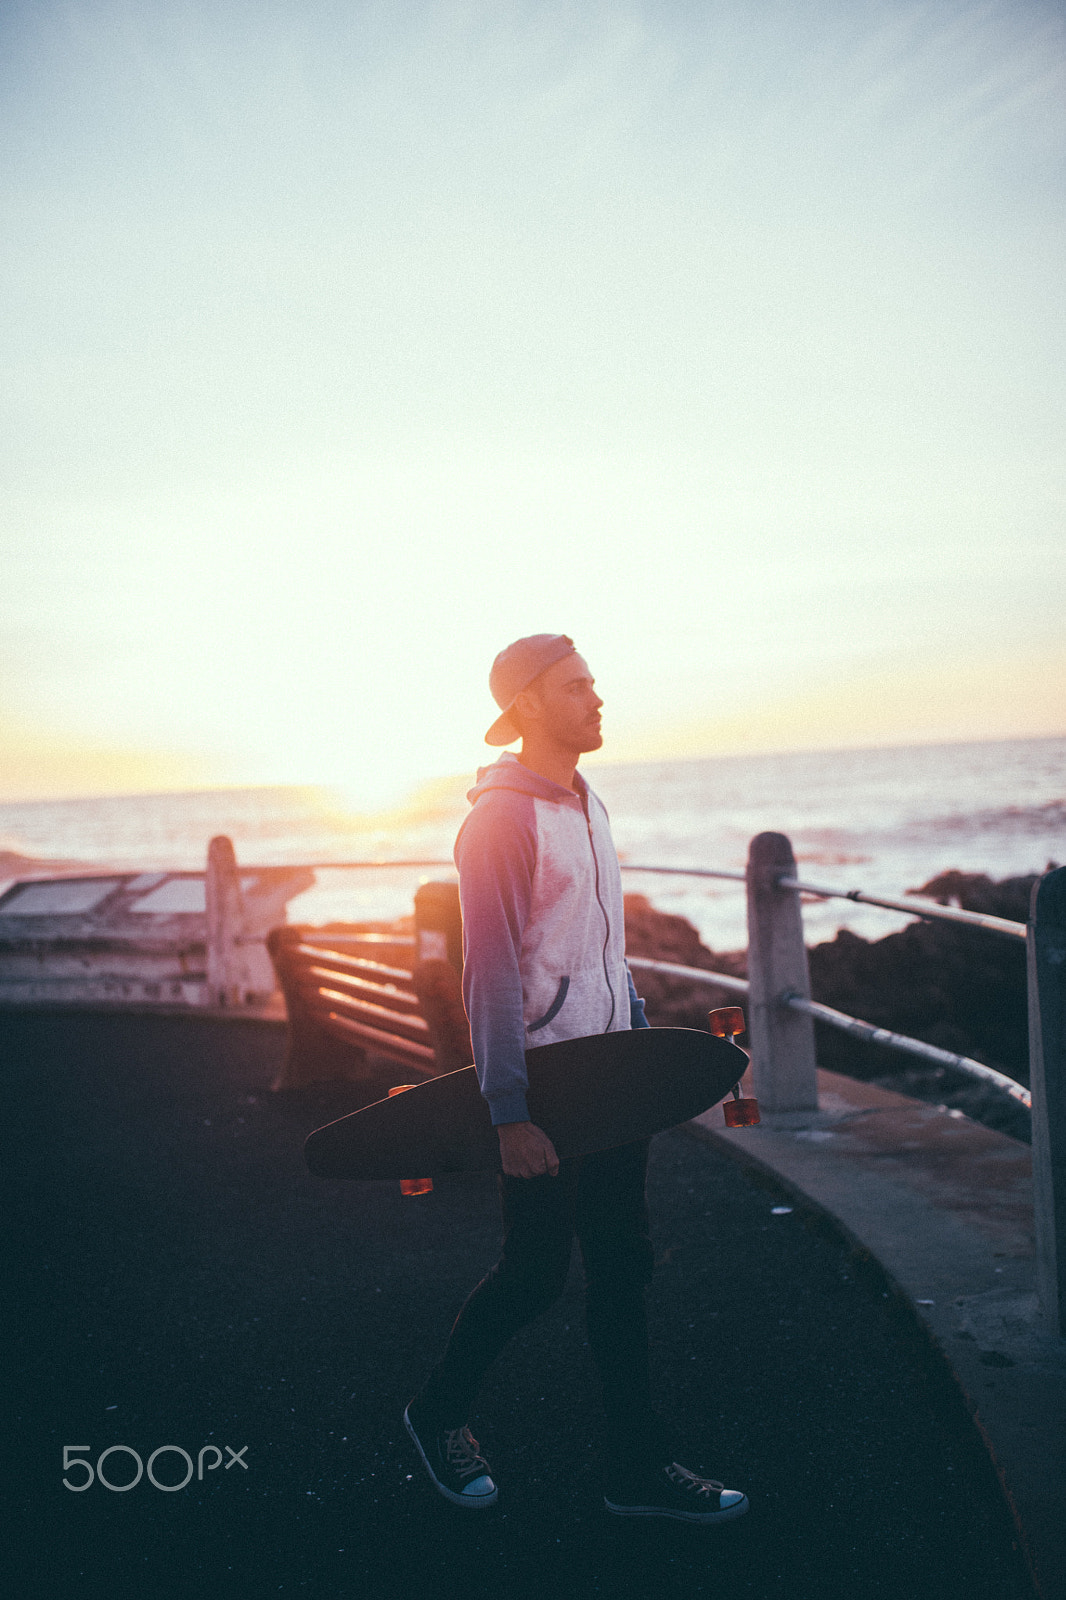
point(371, 866)
point(626, 866)
point(685, 872)
point(781, 1012)
point(914, 905)
point(866, 1031)
point(914, 1047)
point(782, 1015)
point(717, 980)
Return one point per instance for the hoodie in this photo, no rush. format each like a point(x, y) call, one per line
point(543, 934)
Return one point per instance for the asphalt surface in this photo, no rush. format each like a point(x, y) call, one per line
point(183, 1281)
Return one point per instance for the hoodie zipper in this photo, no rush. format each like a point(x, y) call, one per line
point(599, 900)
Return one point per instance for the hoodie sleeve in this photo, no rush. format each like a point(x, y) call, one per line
point(496, 855)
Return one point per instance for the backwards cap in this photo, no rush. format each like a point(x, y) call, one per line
point(514, 669)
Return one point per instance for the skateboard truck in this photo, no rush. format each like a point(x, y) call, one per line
point(411, 1185)
point(743, 1110)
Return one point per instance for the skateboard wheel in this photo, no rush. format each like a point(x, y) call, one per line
point(411, 1185)
point(726, 1021)
point(742, 1113)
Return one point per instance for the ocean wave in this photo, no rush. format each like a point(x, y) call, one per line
point(875, 820)
point(1028, 820)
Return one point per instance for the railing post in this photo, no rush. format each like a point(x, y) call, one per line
point(782, 1040)
point(225, 922)
point(1046, 957)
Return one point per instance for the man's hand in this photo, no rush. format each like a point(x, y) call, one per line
point(526, 1150)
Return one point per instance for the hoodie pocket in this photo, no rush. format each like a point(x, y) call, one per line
point(554, 1009)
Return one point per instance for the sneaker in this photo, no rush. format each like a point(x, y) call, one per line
point(451, 1458)
point(676, 1492)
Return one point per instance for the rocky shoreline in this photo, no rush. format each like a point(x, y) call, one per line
point(956, 987)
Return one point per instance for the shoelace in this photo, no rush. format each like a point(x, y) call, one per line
point(461, 1449)
point(689, 1480)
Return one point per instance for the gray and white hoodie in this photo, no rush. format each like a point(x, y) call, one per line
point(543, 934)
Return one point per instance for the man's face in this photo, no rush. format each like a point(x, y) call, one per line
point(565, 707)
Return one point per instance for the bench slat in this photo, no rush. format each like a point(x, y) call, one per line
point(334, 1000)
point(298, 954)
point(385, 994)
point(343, 1003)
point(390, 1044)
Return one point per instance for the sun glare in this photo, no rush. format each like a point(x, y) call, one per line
point(726, 343)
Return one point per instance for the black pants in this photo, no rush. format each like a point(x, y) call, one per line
point(601, 1199)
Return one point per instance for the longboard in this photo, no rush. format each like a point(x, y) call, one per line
point(587, 1094)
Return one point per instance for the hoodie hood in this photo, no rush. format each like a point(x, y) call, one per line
point(509, 773)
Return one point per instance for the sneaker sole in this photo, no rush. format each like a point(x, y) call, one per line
point(479, 1503)
point(706, 1519)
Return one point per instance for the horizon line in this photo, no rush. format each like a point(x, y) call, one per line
point(420, 785)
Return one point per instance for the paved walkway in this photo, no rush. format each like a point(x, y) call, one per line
point(946, 1206)
point(184, 1282)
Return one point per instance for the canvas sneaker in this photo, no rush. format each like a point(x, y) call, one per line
point(674, 1491)
point(450, 1456)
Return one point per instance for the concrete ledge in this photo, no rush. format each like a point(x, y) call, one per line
point(945, 1206)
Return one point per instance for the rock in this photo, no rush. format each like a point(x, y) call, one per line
point(956, 987)
point(671, 1002)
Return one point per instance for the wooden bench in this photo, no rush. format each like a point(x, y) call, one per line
point(353, 993)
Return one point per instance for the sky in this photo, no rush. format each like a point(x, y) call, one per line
point(343, 343)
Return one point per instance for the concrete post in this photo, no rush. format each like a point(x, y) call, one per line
point(782, 1040)
point(1046, 951)
point(225, 923)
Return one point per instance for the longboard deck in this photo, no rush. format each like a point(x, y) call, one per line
point(587, 1094)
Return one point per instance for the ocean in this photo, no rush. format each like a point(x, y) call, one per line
point(883, 820)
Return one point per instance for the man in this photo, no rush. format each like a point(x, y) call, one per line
point(544, 959)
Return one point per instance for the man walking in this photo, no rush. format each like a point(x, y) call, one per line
point(544, 959)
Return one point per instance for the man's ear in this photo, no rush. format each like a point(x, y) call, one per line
point(527, 704)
